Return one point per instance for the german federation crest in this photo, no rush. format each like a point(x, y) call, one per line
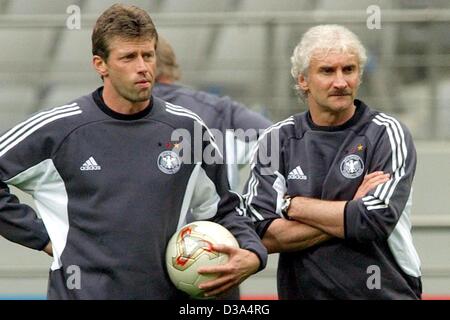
point(352, 166)
point(169, 162)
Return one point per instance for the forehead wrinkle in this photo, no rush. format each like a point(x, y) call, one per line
point(322, 60)
point(119, 43)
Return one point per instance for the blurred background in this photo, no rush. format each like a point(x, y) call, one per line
point(241, 48)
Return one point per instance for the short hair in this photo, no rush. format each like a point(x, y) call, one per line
point(166, 61)
point(124, 21)
point(326, 38)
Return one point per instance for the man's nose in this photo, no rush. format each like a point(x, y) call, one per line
point(141, 66)
point(340, 82)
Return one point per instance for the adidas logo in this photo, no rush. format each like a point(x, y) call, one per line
point(90, 165)
point(297, 174)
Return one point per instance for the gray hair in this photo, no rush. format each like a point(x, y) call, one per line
point(325, 38)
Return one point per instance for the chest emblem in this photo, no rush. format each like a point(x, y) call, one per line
point(169, 162)
point(352, 166)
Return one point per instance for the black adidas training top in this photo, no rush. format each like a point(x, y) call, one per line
point(111, 191)
point(296, 157)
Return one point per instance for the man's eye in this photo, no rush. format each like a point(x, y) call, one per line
point(349, 69)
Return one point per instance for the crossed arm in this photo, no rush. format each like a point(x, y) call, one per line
point(314, 221)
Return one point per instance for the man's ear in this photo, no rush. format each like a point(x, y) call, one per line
point(302, 82)
point(100, 66)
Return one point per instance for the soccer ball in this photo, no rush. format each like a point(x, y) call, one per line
point(191, 248)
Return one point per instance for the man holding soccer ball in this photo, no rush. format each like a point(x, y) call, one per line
point(109, 183)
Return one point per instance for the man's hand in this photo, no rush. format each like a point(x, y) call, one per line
point(241, 264)
point(49, 249)
point(371, 181)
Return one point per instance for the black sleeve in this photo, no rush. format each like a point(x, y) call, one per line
point(213, 200)
point(19, 222)
point(24, 157)
point(375, 216)
point(266, 186)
